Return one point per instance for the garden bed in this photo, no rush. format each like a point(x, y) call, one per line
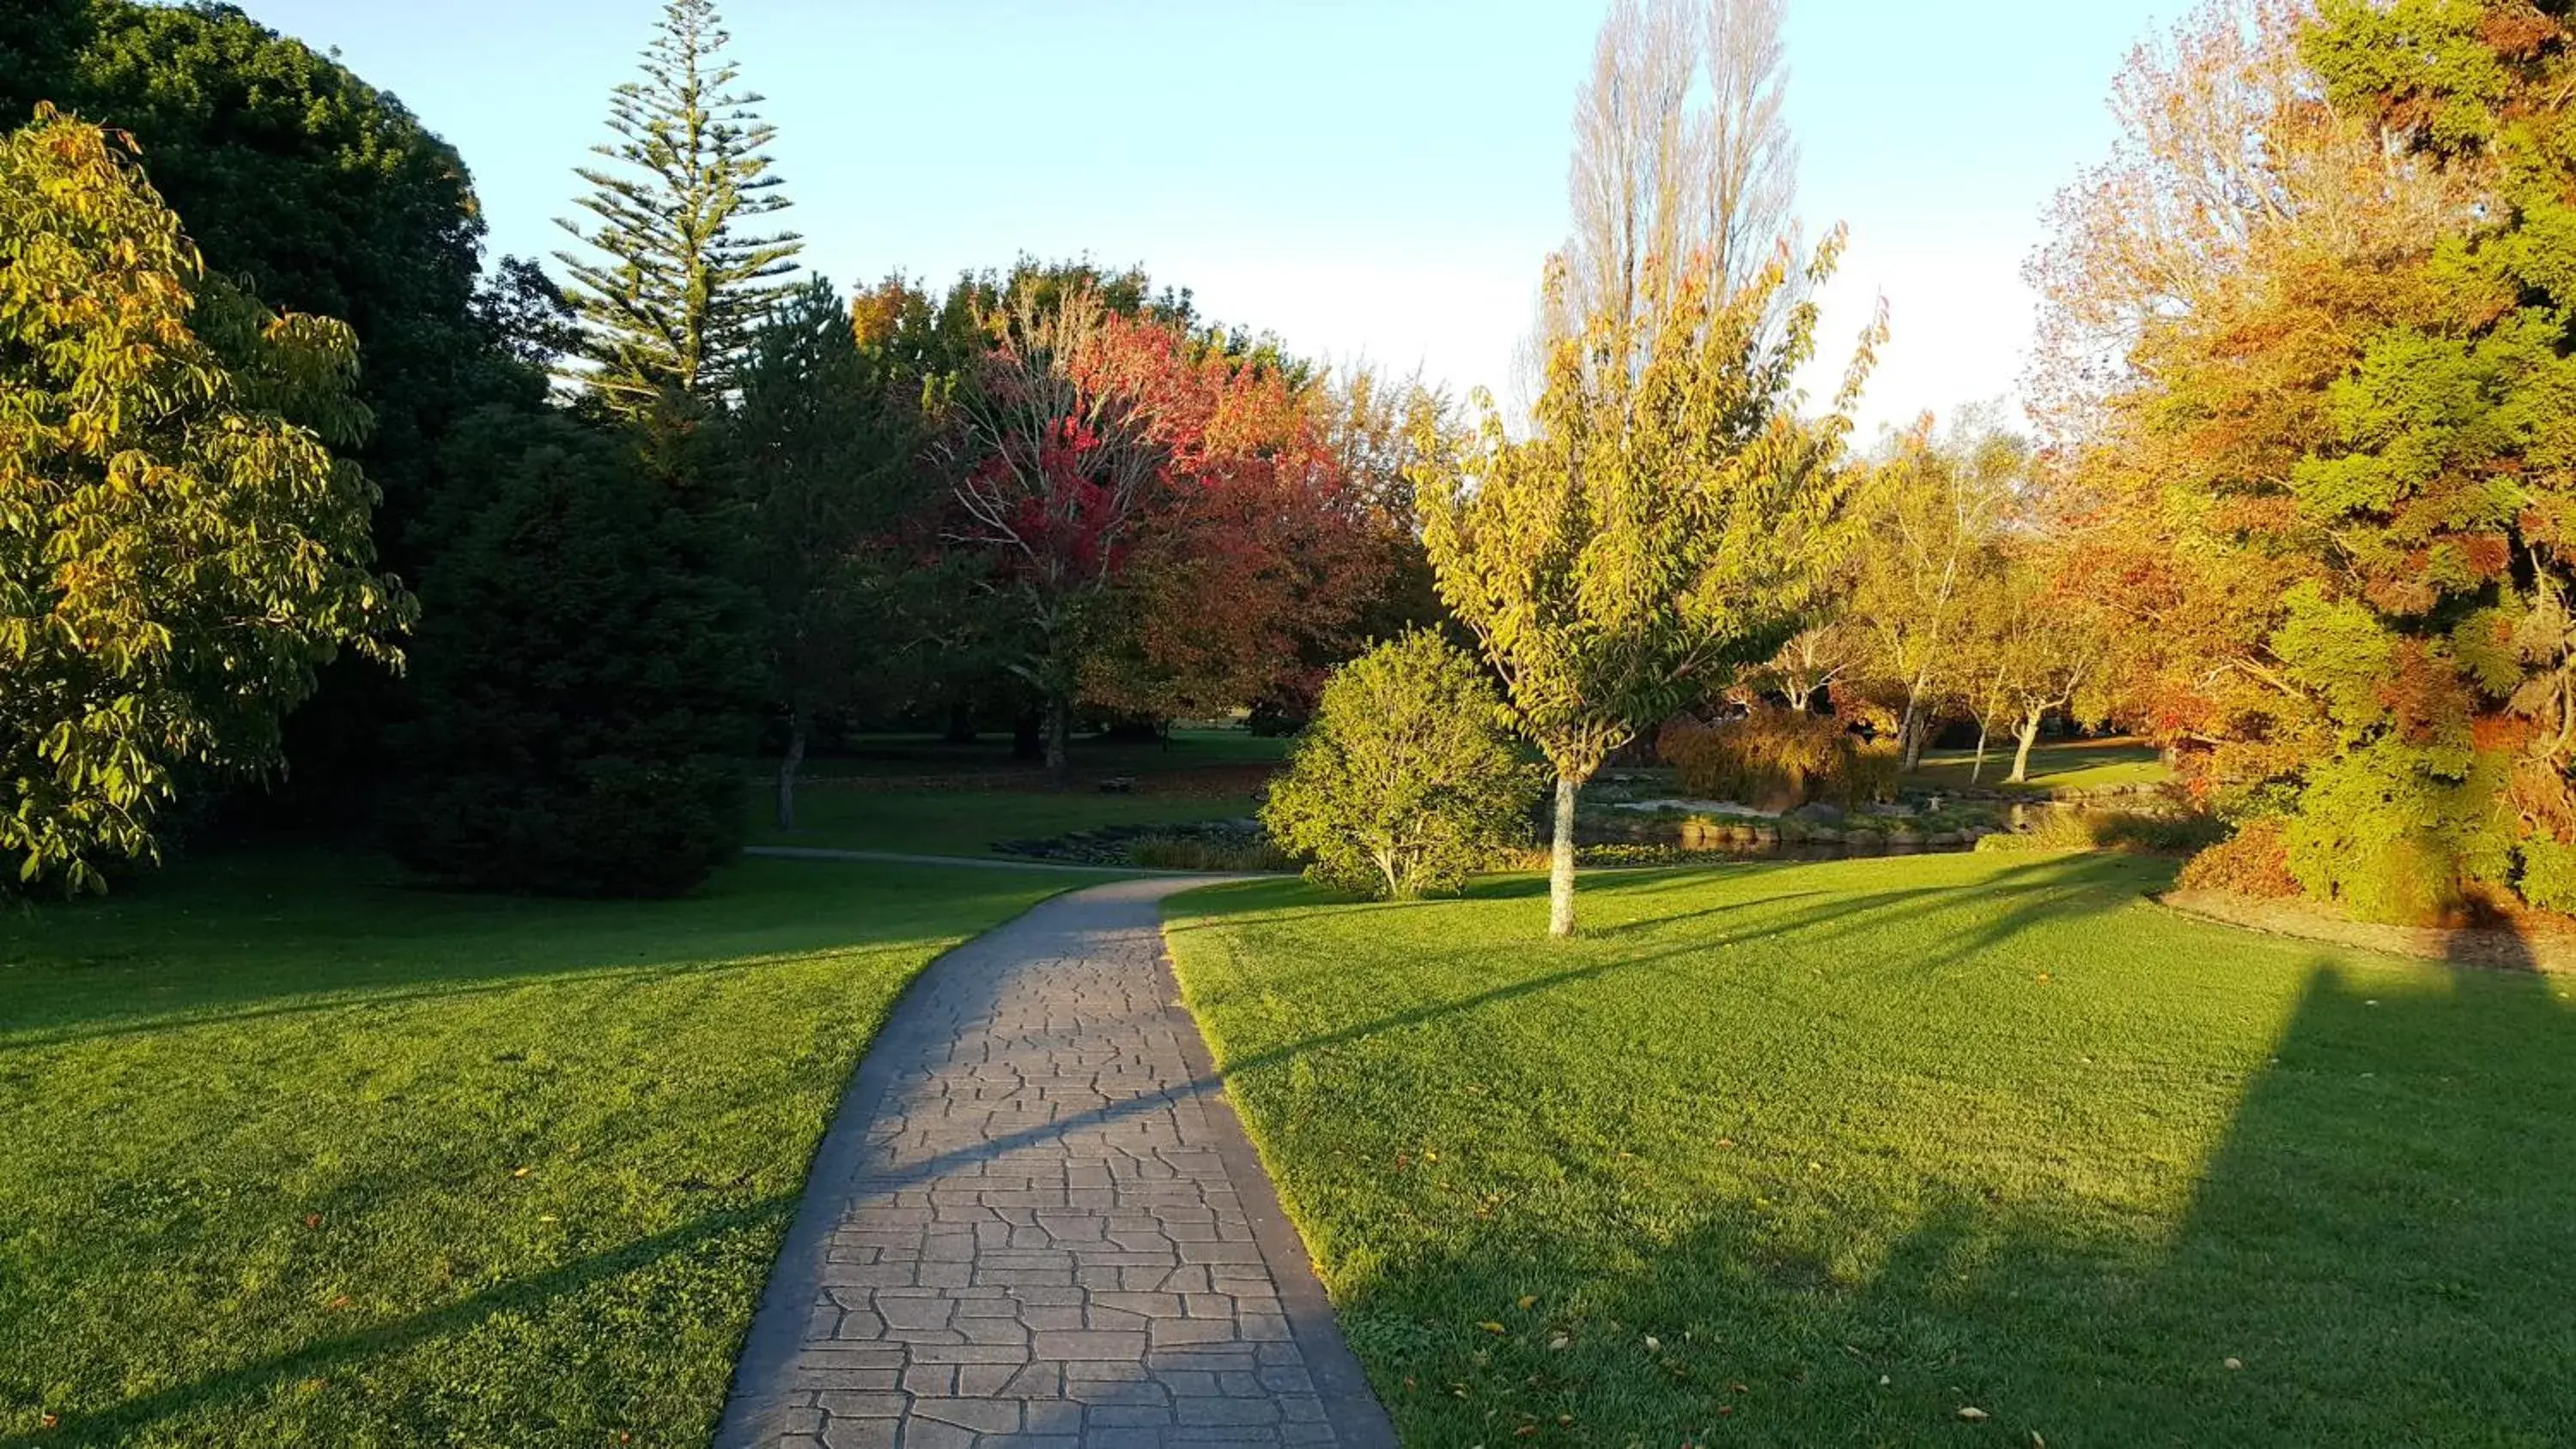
point(2530, 945)
point(1225, 845)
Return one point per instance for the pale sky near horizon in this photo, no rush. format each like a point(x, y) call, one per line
point(1364, 179)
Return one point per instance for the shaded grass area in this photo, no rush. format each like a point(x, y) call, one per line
point(968, 822)
point(2065, 765)
point(1183, 749)
point(1827, 1153)
point(292, 1155)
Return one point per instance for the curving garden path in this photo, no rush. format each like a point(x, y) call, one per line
point(1035, 1221)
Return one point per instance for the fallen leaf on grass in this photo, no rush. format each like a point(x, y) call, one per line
point(1528, 1302)
point(1973, 1414)
point(2236, 1363)
point(1490, 1326)
point(1560, 1343)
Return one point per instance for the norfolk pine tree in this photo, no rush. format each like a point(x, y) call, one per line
point(672, 302)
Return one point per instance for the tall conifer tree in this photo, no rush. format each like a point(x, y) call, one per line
point(676, 291)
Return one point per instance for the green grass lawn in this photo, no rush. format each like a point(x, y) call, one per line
point(967, 822)
point(1827, 1153)
point(291, 1155)
point(2067, 764)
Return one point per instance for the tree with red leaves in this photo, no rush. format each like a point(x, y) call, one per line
point(1258, 557)
point(1055, 477)
point(1168, 520)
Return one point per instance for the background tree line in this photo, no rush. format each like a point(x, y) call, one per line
point(608, 533)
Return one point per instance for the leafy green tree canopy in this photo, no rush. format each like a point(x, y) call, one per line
point(314, 190)
point(179, 548)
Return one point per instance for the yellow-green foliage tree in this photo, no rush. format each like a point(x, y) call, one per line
point(1933, 508)
point(1668, 520)
point(179, 549)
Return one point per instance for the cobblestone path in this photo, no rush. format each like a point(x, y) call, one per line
point(1035, 1222)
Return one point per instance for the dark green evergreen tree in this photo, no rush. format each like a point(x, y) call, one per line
point(583, 688)
point(674, 292)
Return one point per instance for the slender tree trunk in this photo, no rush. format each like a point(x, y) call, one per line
point(1910, 732)
point(1977, 767)
point(1560, 866)
point(1799, 695)
point(1059, 738)
point(2029, 731)
point(1028, 736)
point(787, 768)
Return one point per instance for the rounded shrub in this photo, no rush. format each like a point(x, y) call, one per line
point(2251, 862)
point(1406, 782)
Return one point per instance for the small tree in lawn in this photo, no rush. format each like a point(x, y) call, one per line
point(1406, 782)
point(2046, 644)
point(1933, 509)
point(1668, 522)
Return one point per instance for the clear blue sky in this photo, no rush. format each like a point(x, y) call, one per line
point(1378, 177)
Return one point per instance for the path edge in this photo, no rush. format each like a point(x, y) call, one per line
point(756, 1390)
point(1359, 1420)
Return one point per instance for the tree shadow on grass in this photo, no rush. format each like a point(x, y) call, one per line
point(2381, 1241)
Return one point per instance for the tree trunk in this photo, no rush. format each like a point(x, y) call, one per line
point(1910, 731)
point(961, 724)
point(1059, 738)
point(787, 768)
point(1560, 866)
point(1799, 694)
point(1977, 767)
point(2029, 732)
point(1028, 737)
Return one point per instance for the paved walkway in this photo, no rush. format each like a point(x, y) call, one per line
point(1036, 1222)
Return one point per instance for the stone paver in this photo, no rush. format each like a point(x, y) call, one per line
point(1036, 1222)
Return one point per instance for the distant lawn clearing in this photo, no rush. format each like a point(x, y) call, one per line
point(967, 822)
point(2064, 765)
point(289, 1156)
point(1826, 1154)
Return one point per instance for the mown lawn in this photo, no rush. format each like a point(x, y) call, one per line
point(1828, 1154)
point(2067, 764)
point(290, 1154)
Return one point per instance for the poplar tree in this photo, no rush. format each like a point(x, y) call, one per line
point(672, 301)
